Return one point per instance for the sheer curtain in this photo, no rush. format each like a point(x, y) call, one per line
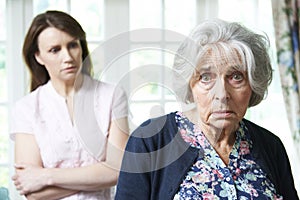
point(286, 22)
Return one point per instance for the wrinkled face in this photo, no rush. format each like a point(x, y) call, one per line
point(60, 53)
point(221, 91)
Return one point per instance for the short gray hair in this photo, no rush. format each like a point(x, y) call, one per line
point(218, 34)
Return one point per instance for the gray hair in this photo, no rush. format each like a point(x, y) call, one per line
point(222, 38)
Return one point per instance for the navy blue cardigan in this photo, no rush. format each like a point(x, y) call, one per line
point(157, 159)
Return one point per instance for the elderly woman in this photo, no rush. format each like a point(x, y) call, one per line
point(211, 151)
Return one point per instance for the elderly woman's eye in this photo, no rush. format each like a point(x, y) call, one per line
point(206, 77)
point(237, 76)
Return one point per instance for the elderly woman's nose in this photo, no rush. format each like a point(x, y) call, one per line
point(220, 90)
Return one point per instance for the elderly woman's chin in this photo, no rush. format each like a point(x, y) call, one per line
point(224, 123)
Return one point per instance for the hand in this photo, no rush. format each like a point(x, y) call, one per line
point(29, 178)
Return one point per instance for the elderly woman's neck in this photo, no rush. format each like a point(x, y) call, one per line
point(222, 140)
point(218, 136)
point(213, 134)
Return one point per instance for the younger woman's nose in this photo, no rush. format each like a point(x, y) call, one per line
point(66, 54)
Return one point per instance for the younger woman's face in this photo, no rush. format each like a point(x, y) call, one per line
point(60, 54)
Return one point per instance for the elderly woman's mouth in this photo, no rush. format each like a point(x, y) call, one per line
point(222, 113)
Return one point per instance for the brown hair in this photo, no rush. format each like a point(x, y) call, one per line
point(63, 22)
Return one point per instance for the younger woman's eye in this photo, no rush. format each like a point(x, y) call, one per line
point(73, 45)
point(54, 50)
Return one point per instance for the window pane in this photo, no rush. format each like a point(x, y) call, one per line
point(240, 11)
point(143, 111)
point(3, 135)
point(170, 94)
point(145, 14)
point(172, 107)
point(4, 177)
point(43, 5)
point(3, 76)
point(180, 16)
point(82, 12)
point(93, 46)
point(261, 9)
point(169, 54)
point(90, 15)
point(146, 92)
point(142, 56)
point(2, 20)
point(146, 35)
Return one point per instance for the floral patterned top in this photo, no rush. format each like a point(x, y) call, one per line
point(209, 177)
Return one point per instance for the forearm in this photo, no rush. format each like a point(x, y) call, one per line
point(89, 178)
point(50, 193)
point(33, 177)
point(93, 177)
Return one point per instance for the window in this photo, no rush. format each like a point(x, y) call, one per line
point(82, 12)
point(153, 46)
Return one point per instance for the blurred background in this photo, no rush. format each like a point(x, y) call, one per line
point(105, 21)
